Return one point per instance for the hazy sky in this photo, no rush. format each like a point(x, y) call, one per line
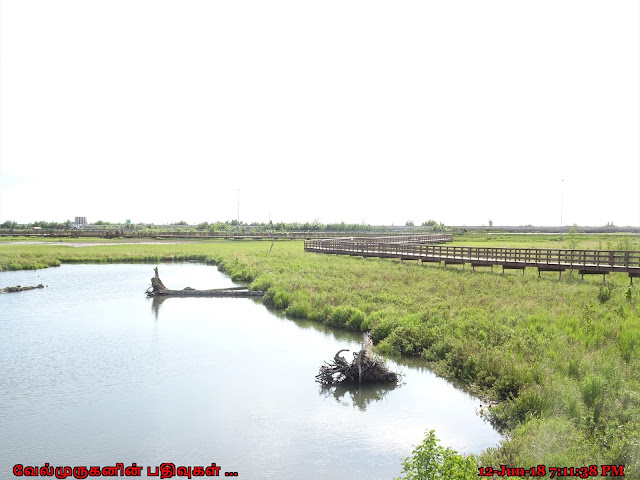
point(374, 111)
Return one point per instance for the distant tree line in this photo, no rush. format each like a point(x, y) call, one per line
point(287, 226)
point(9, 224)
point(235, 225)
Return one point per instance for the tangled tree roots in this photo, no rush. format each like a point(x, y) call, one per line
point(364, 368)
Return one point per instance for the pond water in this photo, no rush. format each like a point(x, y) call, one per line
point(94, 373)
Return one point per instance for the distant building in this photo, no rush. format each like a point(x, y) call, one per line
point(81, 222)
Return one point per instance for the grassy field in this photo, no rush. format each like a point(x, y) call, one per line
point(559, 360)
point(618, 241)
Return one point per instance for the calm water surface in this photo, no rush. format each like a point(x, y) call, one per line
point(94, 373)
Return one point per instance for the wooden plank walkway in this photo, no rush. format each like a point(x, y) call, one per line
point(585, 261)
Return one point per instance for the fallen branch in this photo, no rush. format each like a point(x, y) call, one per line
point(18, 288)
point(364, 368)
point(157, 289)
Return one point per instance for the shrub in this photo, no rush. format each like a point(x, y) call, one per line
point(628, 342)
point(281, 299)
point(261, 283)
point(382, 329)
point(276, 297)
point(346, 317)
point(320, 314)
point(431, 461)
point(592, 393)
point(572, 237)
point(409, 339)
point(298, 309)
point(355, 319)
point(605, 293)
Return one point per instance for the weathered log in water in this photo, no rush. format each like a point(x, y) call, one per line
point(364, 368)
point(19, 288)
point(157, 289)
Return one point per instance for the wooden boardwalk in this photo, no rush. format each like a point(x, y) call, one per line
point(584, 261)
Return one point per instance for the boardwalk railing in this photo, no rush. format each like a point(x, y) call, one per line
point(393, 239)
point(585, 261)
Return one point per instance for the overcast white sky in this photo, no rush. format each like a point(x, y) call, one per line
point(374, 111)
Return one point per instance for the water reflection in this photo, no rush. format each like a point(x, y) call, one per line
point(414, 363)
point(330, 332)
point(155, 305)
point(359, 396)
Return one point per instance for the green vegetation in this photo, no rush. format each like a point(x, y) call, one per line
point(559, 361)
point(431, 461)
point(572, 238)
point(233, 225)
point(435, 226)
point(9, 224)
point(40, 224)
point(587, 241)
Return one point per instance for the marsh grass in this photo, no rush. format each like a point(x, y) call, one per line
point(587, 241)
point(558, 360)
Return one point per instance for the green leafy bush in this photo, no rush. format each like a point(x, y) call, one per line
point(349, 317)
point(605, 293)
point(430, 461)
point(298, 309)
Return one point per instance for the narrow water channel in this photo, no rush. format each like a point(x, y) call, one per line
point(94, 373)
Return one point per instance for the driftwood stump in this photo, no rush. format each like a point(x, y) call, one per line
point(19, 288)
point(157, 289)
point(364, 368)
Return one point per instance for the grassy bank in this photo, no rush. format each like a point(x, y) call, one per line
point(560, 360)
